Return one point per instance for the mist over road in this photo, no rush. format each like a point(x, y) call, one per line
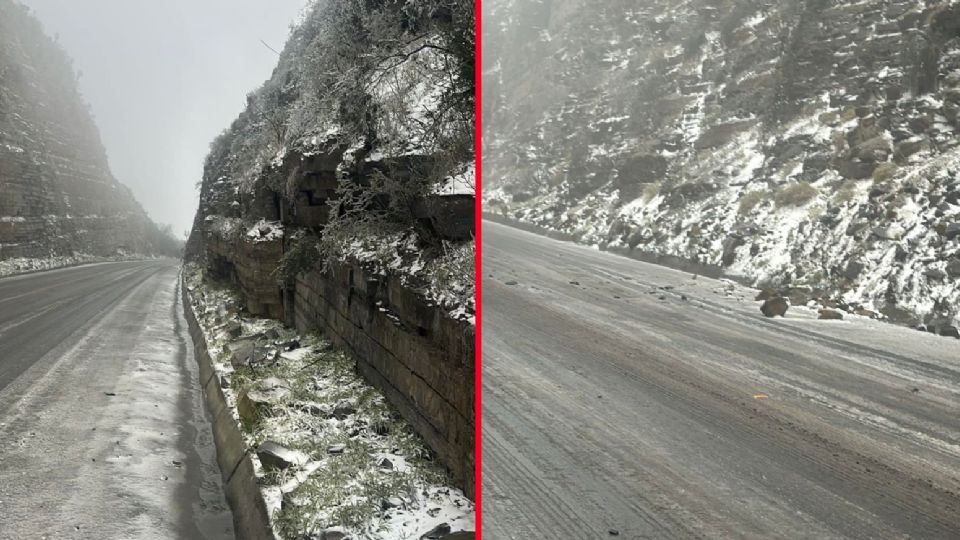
point(102, 430)
point(623, 397)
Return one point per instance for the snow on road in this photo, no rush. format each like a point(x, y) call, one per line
point(102, 428)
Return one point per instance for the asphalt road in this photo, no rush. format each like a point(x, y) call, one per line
point(102, 428)
point(623, 399)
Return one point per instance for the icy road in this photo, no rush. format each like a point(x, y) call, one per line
point(623, 399)
point(102, 430)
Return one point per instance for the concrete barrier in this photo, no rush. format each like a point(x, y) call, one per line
point(251, 520)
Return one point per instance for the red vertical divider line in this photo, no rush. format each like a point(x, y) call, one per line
point(478, 266)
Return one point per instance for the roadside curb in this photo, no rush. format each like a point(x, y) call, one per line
point(670, 261)
point(251, 521)
point(74, 265)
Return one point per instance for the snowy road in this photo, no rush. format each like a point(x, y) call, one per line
point(102, 431)
point(615, 405)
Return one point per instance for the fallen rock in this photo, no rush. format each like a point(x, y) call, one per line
point(336, 449)
point(315, 409)
point(234, 329)
point(950, 331)
point(275, 456)
point(290, 345)
point(798, 296)
point(335, 533)
point(242, 353)
point(438, 532)
point(830, 314)
point(272, 333)
point(853, 270)
point(891, 232)
point(935, 274)
point(953, 268)
point(253, 401)
point(775, 307)
point(392, 502)
point(952, 231)
point(344, 409)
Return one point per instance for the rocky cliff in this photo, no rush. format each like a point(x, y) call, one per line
point(57, 195)
point(810, 145)
point(341, 200)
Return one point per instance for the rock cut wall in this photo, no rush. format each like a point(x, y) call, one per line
point(57, 194)
point(328, 213)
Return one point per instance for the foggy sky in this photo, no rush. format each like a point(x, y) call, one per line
point(164, 77)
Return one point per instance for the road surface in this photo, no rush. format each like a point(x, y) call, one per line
point(102, 427)
point(623, 399)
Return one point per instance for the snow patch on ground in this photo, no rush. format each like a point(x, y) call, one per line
point(23, 265)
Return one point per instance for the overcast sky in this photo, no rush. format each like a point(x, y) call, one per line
point(164, 77)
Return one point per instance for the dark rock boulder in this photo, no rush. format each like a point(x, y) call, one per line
point(242, 353)
point(344, 409)
point(233, 329)
point(253, 401)
point(334, 534)
point(953, 268)
point(890, 232)
point(909, 147)
point(935, 274)
point(276, 456)
point(830, 314)
point(854, 170)
point(874, 150)
point(853, 270)
point(798, 296)
point(449, 216)
point(775, 307)
point(952, 231)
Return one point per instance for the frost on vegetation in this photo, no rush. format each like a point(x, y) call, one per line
point(366, 473)
point(461, 182)
point(444, 273)
point(224, 227)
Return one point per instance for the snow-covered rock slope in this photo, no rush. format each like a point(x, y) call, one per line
point(58, 198)
point(810, 145)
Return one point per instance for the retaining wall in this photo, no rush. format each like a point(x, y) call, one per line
point(421, 359)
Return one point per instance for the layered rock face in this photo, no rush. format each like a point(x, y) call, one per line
point(336, 198)
point(810, 145)
point(57, 195)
